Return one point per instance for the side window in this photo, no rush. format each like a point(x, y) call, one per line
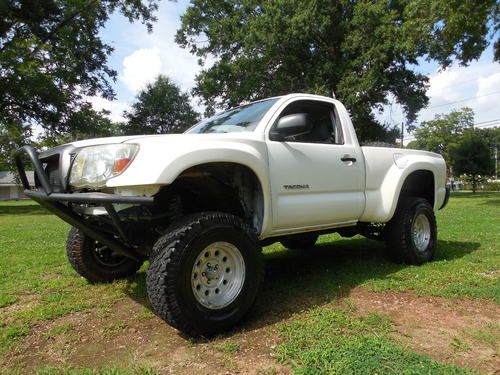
point(326, 126)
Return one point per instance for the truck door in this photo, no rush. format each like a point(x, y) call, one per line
point(316, 178)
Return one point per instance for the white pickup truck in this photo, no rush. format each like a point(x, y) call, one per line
point(201, 204)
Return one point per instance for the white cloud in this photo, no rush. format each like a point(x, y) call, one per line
point(487, 87)
point(476, 86)
point(141, 67)
point(154, 53)
point(115, 107)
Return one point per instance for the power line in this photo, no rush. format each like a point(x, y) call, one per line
point(481, 125)
point(486, 122)
point(446, 104)
point(488, 125)
point(464, 100)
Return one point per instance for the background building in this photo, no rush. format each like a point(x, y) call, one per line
point(10, 189)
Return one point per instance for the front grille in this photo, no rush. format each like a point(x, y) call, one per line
point(56, 164)
point(54, 175)
point(51, 168)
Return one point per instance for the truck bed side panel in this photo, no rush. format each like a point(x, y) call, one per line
point(386, 172)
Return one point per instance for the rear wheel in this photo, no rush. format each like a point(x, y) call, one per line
point(300, 241)
point(96, 262)
point(411, 234)
point(204, 276)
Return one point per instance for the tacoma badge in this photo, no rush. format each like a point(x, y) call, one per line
point(293, 187)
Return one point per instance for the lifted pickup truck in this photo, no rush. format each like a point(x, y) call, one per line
point(201, 204)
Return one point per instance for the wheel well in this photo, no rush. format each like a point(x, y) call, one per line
point(419, 184)
point(225, 187)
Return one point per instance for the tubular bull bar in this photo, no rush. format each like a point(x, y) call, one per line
point(53, 202)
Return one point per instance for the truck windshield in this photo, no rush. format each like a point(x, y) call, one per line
point(243, 118)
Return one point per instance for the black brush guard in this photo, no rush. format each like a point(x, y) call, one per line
point(54, 203)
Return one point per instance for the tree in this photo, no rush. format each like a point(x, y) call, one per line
point(83, 124)
point(11, 138)
point(472, 157)
point(490, 135)
point(52, 57)
point(492, 138)
point(362, 50)
point(442, 133)
point(160, 108)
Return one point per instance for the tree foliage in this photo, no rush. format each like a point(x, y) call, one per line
point(472, 157)
point(491, 136)
point(11, 138)
point(52, 57)
point(83, 124)
point(444, 132)
point(365, 51)
point(160, 108)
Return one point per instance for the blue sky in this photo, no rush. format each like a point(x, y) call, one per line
point(140, 56)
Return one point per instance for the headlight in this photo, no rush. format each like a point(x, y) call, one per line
point(94, 165)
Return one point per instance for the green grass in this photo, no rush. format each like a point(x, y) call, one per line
point(488, 334)
point(335, 341)
point(228, 347)
point(328, 339)
point(37, 284)
point(467, 262)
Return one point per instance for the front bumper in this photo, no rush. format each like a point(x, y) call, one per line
point(60, 204)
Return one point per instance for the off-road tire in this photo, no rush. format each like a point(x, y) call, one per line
point(300, 241)
point(168, 277)
point(81, 252)
point(401, 246)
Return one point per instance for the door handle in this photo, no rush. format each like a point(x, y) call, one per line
point(348, 158)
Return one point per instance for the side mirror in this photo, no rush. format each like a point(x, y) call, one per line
point(291, 126)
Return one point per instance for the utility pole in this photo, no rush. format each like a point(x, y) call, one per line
point(402, 133)
point(496, 161)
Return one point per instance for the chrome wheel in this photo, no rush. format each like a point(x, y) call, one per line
point(218, 275)
point(421, 232)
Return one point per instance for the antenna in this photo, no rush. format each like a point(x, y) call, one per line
point(333, 95)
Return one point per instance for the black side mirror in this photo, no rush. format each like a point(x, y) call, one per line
point(291, 126)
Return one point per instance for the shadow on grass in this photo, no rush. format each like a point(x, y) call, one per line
point(33, 209)
point(490, 198)
point(492, 201)
point(470, 194)
point(297, 280)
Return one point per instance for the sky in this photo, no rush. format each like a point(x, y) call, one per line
point(140, 56)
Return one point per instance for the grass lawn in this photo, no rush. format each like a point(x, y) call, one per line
point(301, 304)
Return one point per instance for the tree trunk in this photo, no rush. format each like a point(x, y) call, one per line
point(473, 184)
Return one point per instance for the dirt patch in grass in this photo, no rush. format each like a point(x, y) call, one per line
point(128, 336)
point(22, 302)
point(463, 332)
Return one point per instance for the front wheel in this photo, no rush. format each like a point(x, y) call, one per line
point(204, 275)
point(96, 262)
point(411, 235)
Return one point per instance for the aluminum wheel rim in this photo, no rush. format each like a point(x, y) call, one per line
point(218, 275)
point(421, 232)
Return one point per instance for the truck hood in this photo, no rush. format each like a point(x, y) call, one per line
point(188, 138)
